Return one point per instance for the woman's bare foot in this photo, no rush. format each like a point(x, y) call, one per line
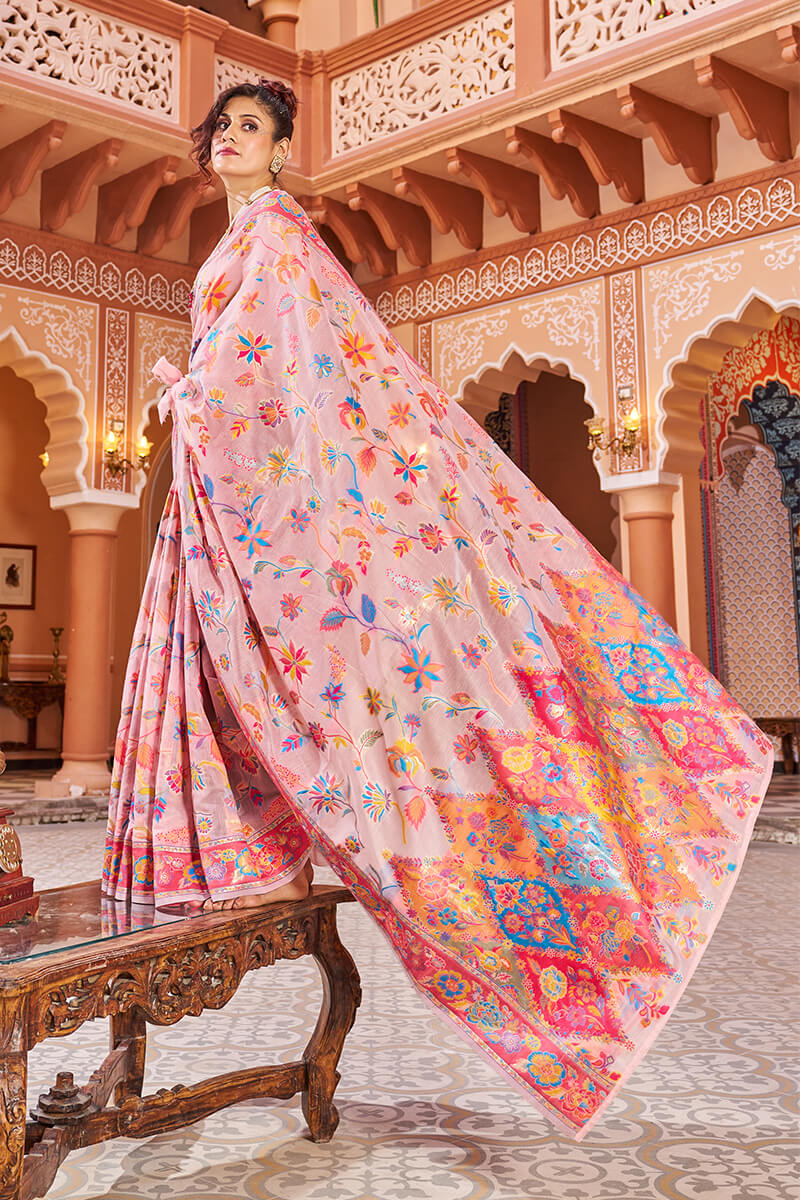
point(296, 889)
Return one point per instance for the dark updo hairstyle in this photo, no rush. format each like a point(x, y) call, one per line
point(277, 98)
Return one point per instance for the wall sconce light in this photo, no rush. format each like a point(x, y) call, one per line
point(113, 459)
point(44, 459)
point(624, 443)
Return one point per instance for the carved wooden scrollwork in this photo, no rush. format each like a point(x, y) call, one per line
point(161, 976)
point(12, 1100)
point(173, 985)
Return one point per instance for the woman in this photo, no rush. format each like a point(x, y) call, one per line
point(365, 631)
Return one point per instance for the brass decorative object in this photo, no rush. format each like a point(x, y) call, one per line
point(17, 899)
point(624, 443)
point(114, 460)
point(10, 849)
point(56, 674)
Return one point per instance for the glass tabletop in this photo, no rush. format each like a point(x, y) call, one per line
point(81, 916)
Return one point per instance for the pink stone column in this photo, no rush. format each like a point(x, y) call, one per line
point(85, 749)
point(648, 515)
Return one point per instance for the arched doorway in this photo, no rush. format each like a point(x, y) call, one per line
point(27, 519)
point(751, 472)
point(65, 412)
point(540, 425)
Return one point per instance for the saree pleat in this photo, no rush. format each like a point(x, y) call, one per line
point(193, 812)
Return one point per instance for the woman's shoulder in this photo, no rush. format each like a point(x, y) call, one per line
point(282, 206)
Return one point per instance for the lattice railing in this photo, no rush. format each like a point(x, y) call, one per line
point(91, 52)
point(453, 69)
point(579, 28)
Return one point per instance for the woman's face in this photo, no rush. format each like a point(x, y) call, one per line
point(243, 145)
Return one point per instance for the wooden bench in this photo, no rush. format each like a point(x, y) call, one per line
point(84, 957)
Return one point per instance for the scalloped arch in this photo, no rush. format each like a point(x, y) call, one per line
point(678, 427)
point(480, 390)
point(65, 414)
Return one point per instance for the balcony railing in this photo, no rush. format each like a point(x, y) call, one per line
point(160, 64)
point(580, 28)
point(92, 52)
point(460, 66)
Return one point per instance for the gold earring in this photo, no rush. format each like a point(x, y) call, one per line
point(276, 165)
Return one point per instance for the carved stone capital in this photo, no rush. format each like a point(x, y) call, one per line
point(279, 18)
point(682, 135)
point(759, 109)
point(561, 167)
point(20, 161)
point(611, 156)
point(402, 226)
point(356, 231)
point(450, 206)
point(123, 203)
point(66, 187)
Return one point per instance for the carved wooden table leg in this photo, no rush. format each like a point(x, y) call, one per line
point(341, 996)
point(13, 1097)
point(13, 1082)
point(130, 1027)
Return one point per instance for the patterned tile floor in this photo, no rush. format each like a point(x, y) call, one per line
point(710, 1115)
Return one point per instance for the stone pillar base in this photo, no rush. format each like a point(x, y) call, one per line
point(89, 776)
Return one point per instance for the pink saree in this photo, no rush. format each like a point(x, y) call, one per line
point(365, 631)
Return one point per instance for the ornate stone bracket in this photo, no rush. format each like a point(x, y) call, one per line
point(789, 40)
point(20, 161)
point(611, 156)
point(682, 135)
point(169, 213)
point(759, 109)
point(355, 230)
point(207, 224)
point(450, 206)
point(66, 187)
point(561, 167)
point(122, 204)
point(402, 226)
point(509, 191)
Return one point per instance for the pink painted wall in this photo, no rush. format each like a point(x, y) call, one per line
point(26, 518)
point(559, 463)
point(327, 23)
point(134, 545)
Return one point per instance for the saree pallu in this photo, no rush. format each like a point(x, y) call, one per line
point(365, 632)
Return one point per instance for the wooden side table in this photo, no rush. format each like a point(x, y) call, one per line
point(83, 957)
point(27, 698)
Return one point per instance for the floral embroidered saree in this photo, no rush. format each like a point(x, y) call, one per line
point(365, 631)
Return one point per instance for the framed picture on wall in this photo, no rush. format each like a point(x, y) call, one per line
point(17, 576)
